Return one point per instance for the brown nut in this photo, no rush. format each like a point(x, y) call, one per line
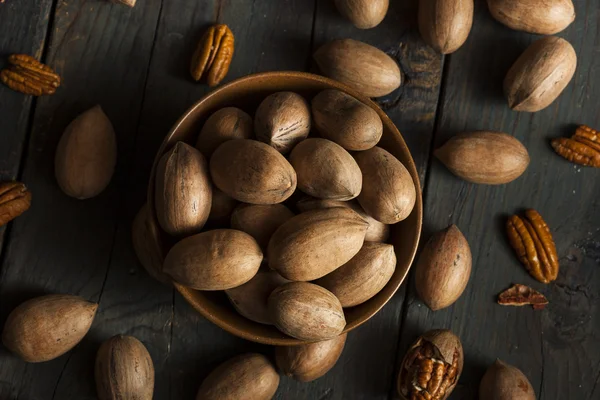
point(531, 239)
point(431, 367)
point(307, 362)
point(247, 376)
point(505, 382)
point(225, 124)
point(540, 74)
point(124, 370)
point(46, 327)
point(282, 120)
point(364, 14)
point(222, 206)
point(27, 75)
point(15, 199)
point(147, 245)
point(260, 220)
point(360, 66)
point(445, 24)
point(345, 120)
point(486, 157)
point(545, 17)
point(128, 3)
point(583, 148)
point(521, 295)
point(443, 269)
point(213, 55)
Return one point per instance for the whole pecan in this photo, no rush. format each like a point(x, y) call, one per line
point(533, 243)
point(213, 55)
point(521, 295)
point(582, 148)
point(15, 199)
point(27, 75)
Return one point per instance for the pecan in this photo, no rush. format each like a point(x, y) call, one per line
point(531, 239)
point(128, 3)
point(582, 148)
point(213, 55)
point(28, 75)
point(15, 199)
point(521, 295)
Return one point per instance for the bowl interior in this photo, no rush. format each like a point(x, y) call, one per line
point(246, 93)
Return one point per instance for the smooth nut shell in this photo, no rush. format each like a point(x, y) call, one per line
point(147, 245)
point(260, 220)
point(46, 327)
point(252, 172)
point(445, 24)
point(491, 158)
point(325, 170)
point(247, 376)
point(364, 14)
point(540, 74)
point(225, 124)
point(306, 311)
point(502, 381)
point(363, 276)
point(443, 269)
point(360, 66)
point(545, 17)
point(124, 370)
point(388, 193)
point(183, 192)
point(345, 120)
point(282, 120)
point(308, 362)
point(86, 155)
point(250, 299)
point(312, 244)
point(214, 260)
point(222, 206)
point(376, 231)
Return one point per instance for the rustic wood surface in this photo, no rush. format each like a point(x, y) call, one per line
point(133, 62)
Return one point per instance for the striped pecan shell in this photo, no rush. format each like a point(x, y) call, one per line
point(213, 55)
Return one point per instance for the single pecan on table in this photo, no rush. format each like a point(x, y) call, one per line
point(27, 75)
point(213, 55)
point(15, 199)
point(582, 148)
point(531, 239)
point(521, 295)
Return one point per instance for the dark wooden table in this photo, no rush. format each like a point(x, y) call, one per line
point(134, 63)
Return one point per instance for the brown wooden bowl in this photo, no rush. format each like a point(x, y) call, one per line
point(247, 93)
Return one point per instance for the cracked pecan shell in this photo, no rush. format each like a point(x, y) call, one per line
point(431, 367)
point(27, 75)
point(531, 239)
point(582, 148)
point(15, 199)
point(521, 295)
point(213, 55)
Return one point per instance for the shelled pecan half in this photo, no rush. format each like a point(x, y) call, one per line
point(27, 75)
point(15, 199)
point(531, 239)
point(213, 55)
point(521, 295)
point(431, 367)
point(582, 148)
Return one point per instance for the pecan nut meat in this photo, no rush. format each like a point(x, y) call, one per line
point(531, 239)
point(213, 55)
point(15, 199)
point(582, 148)
point(521, 295)
point(27, 75)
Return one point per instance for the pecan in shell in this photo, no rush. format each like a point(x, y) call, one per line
point(15, 199)
point(27, 75)
point(531, 239)
point(521, 295)
point(582, 148)
point(213, 55)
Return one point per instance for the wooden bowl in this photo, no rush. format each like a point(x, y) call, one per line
point(247, 93)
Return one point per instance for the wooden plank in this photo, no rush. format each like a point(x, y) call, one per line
point(63, 245)
point(556, 348)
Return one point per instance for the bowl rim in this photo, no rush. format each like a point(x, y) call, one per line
point(188, 293)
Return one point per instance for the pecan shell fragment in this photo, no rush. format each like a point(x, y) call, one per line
point(521, 295)
point(15, 199)
point(213, 55)
point(531, 239)
point(27, 75)
point(582, 148)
